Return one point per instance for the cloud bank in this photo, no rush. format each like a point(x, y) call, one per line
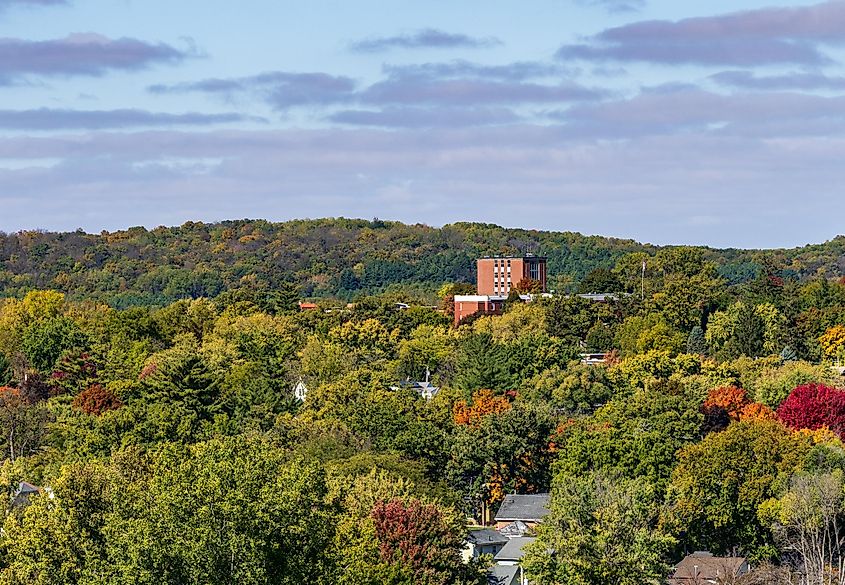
point(479, 92)
point(81, 54)
point(43, 119)
point(755, 37)
point(427, 38)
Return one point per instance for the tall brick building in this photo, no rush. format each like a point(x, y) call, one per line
point(496, 276)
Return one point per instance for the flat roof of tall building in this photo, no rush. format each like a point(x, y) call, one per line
point(522, 257)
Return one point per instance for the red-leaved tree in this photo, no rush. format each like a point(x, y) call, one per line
point(96, 400)
point(813, 406)
point(418, 537)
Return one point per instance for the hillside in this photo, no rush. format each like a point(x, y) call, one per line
point(324, 257)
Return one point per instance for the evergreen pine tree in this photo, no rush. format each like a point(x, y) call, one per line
point(788, 354)
point(696, 342)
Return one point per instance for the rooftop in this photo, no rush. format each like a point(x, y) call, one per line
point(486, 536)
point(503, 575)
point(532, 507)
point(702, 567)
point(523, 257)
point(514, 549)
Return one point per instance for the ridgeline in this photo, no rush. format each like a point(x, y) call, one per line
point(328, 258)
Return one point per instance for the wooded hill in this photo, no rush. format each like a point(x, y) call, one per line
point(329, 258)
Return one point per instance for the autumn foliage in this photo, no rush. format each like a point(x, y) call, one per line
point(814, 406)
point(730, 398)
point(417, 536)
point(96, 400)
point(10, 396)
point(833, 341)
point(484, 403)
point(733, 403)
point(757, 410)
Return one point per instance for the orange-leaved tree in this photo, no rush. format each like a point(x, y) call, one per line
point(484, 403)
point(731, 399)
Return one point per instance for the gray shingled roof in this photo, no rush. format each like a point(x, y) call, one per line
point(486, 536)
point(503, 575)
point(513, 550)
point(533, 508)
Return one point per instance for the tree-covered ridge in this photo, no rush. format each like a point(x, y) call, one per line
point(327, 257)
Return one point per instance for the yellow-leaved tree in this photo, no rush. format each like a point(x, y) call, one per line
point(833, 342)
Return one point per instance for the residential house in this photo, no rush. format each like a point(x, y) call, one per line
point(504, 575)
point(508, 559)
point(300, 391)
point(425, 389)
point(593, 359)
point(702, 568)
point(515, 529)
point(530, 509)
point(484, 542)
point(516, 519)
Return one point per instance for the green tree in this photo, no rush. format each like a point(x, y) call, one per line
point(62, 537)
point(6, 372)
point(600, 280)
point(577, 389)
point(632, 436)
point(481, 363)
point(599, 338)
point(569, 318)
point(720, 483)
point(424, 351)
point(508, 452)
point(253, 517)
point(43, 342)
point(601, 529)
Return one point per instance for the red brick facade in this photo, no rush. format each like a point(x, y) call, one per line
point(496, 276)
point(469, 305)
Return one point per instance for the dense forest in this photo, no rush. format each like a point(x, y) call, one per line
point(338, 258)
point(148, 398)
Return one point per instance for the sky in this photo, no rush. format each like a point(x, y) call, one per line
point(715, 123)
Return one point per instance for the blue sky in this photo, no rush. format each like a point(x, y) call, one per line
point(718, 123)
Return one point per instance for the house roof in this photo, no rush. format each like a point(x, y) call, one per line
point(486, 536)
point(703, 567)
point(503, 575)
point(532, 507)
point(21, 497)
point(513, 550)
point(516, 528)
point(27, 488)
point(425, 389)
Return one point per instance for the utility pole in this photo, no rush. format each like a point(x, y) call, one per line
point(642, 283)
